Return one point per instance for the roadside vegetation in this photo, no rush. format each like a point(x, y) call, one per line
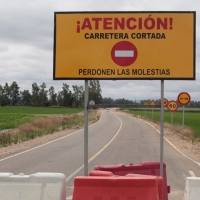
point(173, 121)
point(14, 116)
point(20, 124)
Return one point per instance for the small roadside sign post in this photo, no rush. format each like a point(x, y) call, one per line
point(152, 103)
point(183, 99)
point(172, 107)
point(145, 103)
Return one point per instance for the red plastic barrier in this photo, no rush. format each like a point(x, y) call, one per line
point(159, 182)
point(100, 173)
point(145, 168)
point(116, 188)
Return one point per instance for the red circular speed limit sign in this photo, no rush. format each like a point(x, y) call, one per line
point(165, 102)
point(172, 106)
point(184, 98)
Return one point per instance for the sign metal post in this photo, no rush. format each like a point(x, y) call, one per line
point(172, 114)
point(86, 129)
point(183, 120)
point(161, 127)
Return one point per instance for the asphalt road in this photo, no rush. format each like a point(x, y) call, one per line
point(116, 138)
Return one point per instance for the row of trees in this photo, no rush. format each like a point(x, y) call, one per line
point(192, 104)
point(116, 101)
point(10, 95)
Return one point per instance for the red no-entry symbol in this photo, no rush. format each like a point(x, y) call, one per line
point(124, 53)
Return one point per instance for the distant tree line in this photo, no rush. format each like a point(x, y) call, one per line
point(10, 95)
point(192, 104)
point(108, 100)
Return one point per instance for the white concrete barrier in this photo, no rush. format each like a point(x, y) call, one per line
point(41, 186)
point(192, 188)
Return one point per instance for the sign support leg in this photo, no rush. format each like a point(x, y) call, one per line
point(172, 114)
point(161, 127)
point(86, 130)
point(183, 120)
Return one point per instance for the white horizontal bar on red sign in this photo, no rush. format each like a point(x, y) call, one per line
point(124, 53)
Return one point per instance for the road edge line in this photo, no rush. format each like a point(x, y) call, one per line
point(172, 144)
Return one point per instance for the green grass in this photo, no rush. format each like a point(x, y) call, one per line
point(191, 118)
point(9, 121)
point(36, 122)
point(12, 117)
point(38, 110)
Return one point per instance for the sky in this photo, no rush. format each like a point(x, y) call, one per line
point(27, 37)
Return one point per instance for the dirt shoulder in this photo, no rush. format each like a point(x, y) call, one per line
point(183, 144)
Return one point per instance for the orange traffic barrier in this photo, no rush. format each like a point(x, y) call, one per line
point(116, 188)
point(145, 168)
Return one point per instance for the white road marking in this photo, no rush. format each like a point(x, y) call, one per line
point(124, 53)
point(69, 197)
point(192, 173)
point(198, 163)
point(93, 157)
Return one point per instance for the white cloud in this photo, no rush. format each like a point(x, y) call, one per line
point(26, 45)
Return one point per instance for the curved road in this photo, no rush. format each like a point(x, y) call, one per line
point(116, 138)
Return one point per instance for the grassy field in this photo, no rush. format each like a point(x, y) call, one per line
point(19, 124)
point(12, 117)
point(38, 110)
point(191, 117)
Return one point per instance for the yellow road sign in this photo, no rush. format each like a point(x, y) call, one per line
point(184, 98)
point(165, 102)
point(172, 106)
point(124, 45)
